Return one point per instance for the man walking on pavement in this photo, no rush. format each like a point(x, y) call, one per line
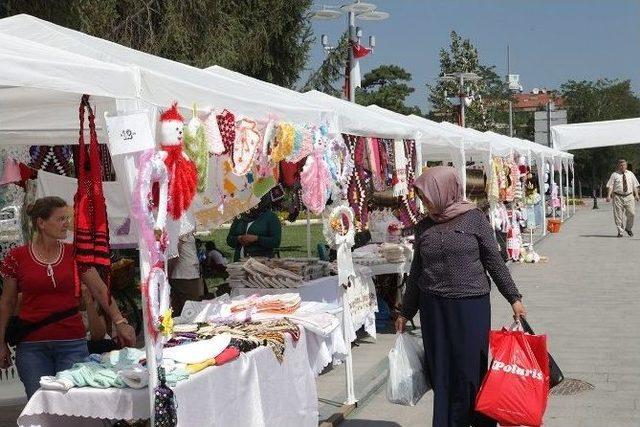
point(623, 187)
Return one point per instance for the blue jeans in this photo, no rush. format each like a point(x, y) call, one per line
point(37, 359)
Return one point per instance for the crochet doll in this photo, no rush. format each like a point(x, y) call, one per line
point(183, 177)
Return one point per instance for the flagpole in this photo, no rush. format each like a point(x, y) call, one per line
point(350, 81)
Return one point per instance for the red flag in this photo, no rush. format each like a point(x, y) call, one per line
point(360, 51)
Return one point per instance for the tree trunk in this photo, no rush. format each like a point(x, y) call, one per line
point(579, 188)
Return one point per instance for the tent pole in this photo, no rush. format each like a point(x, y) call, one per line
point(125, 166)
point(308, 234)
point(560, 191)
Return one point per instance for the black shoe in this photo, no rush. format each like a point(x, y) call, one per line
point(619, 234)
point(630, 233)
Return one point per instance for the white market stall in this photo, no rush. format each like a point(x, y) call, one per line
point(50, 71)
point(596, 134)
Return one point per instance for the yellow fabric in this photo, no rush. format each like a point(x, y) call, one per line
point(197, 367)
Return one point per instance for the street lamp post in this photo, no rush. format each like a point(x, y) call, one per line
point(513, 84)
point(463, 99)
point(356, 10)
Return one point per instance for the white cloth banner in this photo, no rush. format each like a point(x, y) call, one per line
point(121, 230)
point(129, 133)
point(254, 390)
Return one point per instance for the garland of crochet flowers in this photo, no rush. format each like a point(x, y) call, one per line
point(339, 225)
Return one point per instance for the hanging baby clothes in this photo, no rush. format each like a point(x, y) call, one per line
point(91, 228)
point(196, 147)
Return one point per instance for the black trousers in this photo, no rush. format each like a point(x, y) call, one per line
point(455, 333)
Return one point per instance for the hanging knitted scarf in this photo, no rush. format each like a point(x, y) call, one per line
point(91, 228)
point(356, 193)
point(183, 180)
point(400, 187)
point(409, 215)
point(227, 126)
point(377, 175)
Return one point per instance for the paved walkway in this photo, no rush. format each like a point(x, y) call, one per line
point(585, 298)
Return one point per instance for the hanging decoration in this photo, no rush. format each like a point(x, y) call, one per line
point(245, 146)
point(91, 228)
point(408, 213)
point(340, 164)
point(212, 132)
point(11, 172)
point(227, 127)
point(400, 187)
point(151, 170)
point(339, 232)
point(373, 147)
point(165, 407)
point(316, 181)
point(302, 144)
point(263, 167)
point(197, 149)
point(283, 142)
point(183, 177)
point(356, 193)
point(157, 290)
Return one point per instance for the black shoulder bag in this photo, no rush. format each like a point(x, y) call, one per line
point(18, 329)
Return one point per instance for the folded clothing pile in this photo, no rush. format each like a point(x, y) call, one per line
point(245, 336)
point(280, 303)
point(392, 252)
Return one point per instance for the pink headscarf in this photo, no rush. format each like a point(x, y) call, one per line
point(442, 187)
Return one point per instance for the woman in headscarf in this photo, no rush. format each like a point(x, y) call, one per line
point(256, 233)
point(455, 252)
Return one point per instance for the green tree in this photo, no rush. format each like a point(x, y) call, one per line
point(491, 95)
point(386, 87)
point(267, 39)
point(592, 101)
point(331, 71)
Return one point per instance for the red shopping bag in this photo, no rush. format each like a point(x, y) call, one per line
point(514, 391)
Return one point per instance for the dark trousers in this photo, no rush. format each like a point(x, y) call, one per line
point(455, 333)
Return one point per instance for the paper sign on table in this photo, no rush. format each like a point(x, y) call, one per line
point(129, 133)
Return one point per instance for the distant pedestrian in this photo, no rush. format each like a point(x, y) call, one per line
point(623, 187)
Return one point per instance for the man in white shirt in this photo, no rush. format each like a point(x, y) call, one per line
point(184, 274)
point(623, 187)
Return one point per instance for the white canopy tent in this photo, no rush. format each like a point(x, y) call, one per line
point(47, 68)
point(436, 143)
point(358, 120)
point(596, 134)
point(157, 81)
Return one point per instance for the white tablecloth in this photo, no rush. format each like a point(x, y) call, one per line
point(400, 268)
point(254, 390)
point(326, 289)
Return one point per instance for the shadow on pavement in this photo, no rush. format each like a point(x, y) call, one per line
point(368, 423)
point(610, 236)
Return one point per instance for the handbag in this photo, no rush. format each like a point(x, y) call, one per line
point(18, 329)
point(555, 374)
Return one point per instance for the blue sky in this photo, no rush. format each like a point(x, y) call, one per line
point(551, 41)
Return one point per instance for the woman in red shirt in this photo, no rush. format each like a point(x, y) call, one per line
point(42, 271)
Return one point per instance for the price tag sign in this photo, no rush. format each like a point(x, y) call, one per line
point(129, 133)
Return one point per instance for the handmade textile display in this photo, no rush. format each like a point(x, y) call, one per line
point(197, 148)
point(183, 176)
point(275, 273)
point(91, 228)
point(56, 159)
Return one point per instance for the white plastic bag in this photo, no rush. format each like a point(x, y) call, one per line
point(407, 381)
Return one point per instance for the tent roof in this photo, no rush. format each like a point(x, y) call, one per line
point(359, 120)
point(159, 81)
point(596, 134)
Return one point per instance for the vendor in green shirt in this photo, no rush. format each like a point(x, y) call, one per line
point(255, 233)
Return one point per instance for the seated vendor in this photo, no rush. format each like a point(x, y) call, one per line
point(256, 233)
